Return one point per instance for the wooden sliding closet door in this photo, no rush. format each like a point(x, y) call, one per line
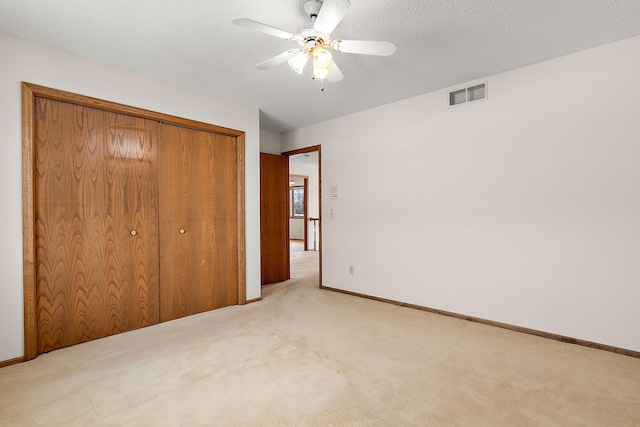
point(198, 221)
point(96, 234)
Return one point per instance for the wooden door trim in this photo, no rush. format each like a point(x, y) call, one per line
point(305, 227)
point(87, 101)
point(288, 231)
point(28, 238)
point(306, 214)
point(242, 240)
point(29, 93)
point(312, 149)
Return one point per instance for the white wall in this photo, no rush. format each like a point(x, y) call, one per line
point(270, 142)
point(296, 228)
point(523, 209)
point(26, 61)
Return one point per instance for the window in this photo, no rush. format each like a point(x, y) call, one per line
point(296, 209)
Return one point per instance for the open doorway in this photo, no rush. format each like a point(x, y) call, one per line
point(299, 210)
point(304, 200)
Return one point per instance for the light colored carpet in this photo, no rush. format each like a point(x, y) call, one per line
point(304, 356)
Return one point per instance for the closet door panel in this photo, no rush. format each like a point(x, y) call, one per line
point(198, 221)
point(96, 233)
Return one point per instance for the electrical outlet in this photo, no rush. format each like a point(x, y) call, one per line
point(351, 270)
point(332, 214)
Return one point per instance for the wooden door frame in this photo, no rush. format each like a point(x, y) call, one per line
point(29, 93)
point(305, 186)
point(311, 149)
point(306, 213)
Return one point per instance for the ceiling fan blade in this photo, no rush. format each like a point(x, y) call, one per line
point(263, 28)
point(335, 75)
point(330, 15)
point(278, 59)
point(364, 47)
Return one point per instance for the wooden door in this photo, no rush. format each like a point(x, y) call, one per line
point(274, 215)
point(198, 221)
point(95, 215)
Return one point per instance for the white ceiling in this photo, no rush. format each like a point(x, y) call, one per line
point(441, 43)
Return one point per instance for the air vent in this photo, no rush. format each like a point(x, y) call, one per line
point(469, 94)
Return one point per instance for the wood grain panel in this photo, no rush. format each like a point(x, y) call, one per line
point(198, 181)
point(274, 214)
point(95, 184)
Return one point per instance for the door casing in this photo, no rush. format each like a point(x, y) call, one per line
point(312, 149)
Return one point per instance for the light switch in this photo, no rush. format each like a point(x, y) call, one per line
point(334, 191)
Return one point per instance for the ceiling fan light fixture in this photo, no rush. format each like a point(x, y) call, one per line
point(320, 73)
point(299, 62)
point(321, 58)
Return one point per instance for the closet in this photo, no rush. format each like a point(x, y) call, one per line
point(131, 218)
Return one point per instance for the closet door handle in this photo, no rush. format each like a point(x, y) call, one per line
point(134, 232)
point(182, 231)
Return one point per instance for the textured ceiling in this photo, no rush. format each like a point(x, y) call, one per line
point(440, 43)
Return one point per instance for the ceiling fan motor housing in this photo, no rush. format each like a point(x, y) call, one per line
point(308, 37)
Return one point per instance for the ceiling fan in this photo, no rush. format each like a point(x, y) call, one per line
point(315, 40)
